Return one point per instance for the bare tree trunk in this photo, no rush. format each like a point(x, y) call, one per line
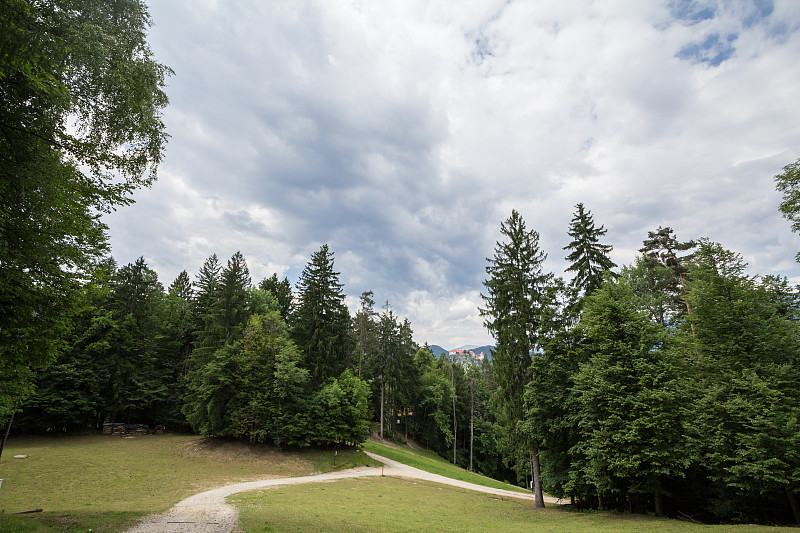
point(405, 421)
point(382, 388)
point(455, 421)
point(8, 429)
point(793, 503)
point(537, 479)
point(471, 423)
point(659, 499)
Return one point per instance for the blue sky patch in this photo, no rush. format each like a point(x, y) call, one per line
point(692, 11)
point(713, 50)
point(759, 10)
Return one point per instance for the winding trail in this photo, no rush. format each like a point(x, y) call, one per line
point(208, 512)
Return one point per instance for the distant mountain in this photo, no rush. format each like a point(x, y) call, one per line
point(487, 350)
point(437, 350)
point(467, 347)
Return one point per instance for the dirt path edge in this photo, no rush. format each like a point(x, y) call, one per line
point(208, 512)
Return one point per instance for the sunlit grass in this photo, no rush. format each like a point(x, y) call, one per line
point(105, 483)
point(400, 505)
point(434, 464)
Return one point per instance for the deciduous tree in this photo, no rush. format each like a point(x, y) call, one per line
point(80, 128)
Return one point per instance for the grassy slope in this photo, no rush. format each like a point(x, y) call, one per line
point(430, 462)
point(105, 483)
point(390, 504)
point(97, 480)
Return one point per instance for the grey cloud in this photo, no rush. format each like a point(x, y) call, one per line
point(402, 135)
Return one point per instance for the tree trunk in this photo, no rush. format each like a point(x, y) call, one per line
point(537, 479)
point(382, 388)
point(659, 500)
point(455, 421)
point(471, 424)
point(8, 429)
point(405, 422)
point(793, 503)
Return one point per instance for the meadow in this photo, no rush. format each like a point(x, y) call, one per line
point(104, 484)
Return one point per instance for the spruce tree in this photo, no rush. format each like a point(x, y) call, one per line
point(136, 378)
point(320, 322)
point(365, 330)
point(231, 309)
point(589, 258)
point(181, 287)
point(207, 293)
point(282, 291)
point(515, 308)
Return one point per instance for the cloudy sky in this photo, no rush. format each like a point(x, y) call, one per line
point(402, 133)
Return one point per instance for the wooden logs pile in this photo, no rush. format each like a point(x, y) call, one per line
point(120, 429)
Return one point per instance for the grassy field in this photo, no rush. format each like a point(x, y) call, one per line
point(104, 483)
point(399, 505)
point(430, 462)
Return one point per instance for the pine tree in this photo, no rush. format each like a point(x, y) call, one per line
point(666, 270)
point(515, 306)
point(589, 258)
point(365, 330)
point(320, 322)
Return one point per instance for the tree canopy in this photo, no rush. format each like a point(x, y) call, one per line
point(81, 99)
point(788, 183)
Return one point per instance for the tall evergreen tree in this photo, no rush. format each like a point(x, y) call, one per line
point(320, 322)
point(282, 291)
point(365, 330)
point(208, 281)
point(589, 258)
point(231, 309)
point(515, 306)
point(136, 378)
point(182, 287)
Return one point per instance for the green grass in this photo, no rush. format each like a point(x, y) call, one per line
point(434, 464)
point(105, 483)
point(400, 505)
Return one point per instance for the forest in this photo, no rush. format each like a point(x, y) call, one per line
point(669, 386)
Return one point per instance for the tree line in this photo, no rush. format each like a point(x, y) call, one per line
point(671, 385)
point(224, 357)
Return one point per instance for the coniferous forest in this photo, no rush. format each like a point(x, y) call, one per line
point(670, 385)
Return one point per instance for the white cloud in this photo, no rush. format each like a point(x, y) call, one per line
point(403, 133)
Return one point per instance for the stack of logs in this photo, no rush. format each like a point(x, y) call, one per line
point(118, 428)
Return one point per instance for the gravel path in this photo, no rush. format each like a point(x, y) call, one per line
point(207, 512)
